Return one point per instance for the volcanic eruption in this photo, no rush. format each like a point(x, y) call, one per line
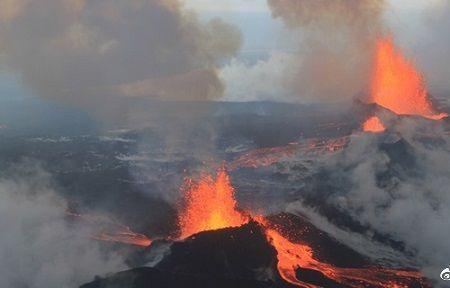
point(209, 205)
point(397, 85)
point(192, 153)
point(210, 212)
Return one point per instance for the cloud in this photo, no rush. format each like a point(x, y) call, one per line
point(264, 80)
point(85, 52)
point(336, 42)
point(434, 58)
point(227, 6)
point(38, 247)
point(398, 186)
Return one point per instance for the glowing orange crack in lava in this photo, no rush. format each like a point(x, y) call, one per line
point(210, 205)
point(125, 237)
point(112, 231)
point(374, 125)
point(397, 85)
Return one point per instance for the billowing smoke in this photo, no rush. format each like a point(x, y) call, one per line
point(266, 80)
point(434, 58)
point(88, 52)
point(110, 57)
point(335, 53)
point(38, 247)
point(396, 184)
point(334, 49)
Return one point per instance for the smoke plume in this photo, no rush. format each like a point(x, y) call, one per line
point(88, 52)
point(334, 56)
point(396, 184)
point(38, 247)
point(434, 57)
point(266, 80)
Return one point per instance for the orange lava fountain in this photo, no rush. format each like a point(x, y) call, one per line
point(293, 255)
point(397, 85)
point(374, 125)
point(210, 205)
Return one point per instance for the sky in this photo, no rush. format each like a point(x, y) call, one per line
point(262, 32)
point(261, 6)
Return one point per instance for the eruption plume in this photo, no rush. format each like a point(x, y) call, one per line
point(86, 52)
point(210, 205)
point(337, 40)
point(397, 85)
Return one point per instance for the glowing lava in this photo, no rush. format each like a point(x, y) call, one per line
point(293, 255)
point(263, 157)
point(397, 85)
point(126, 237)
point(210, 205)
point(374, 125)
point(290, 256)
point(111, 231)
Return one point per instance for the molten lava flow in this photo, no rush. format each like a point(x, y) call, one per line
point(111, 231)
point(125, 237)
point(263, 157)
point(373, 124)
point(290, 256)
point(397, 85)
point(210, 205)
point(293, 255)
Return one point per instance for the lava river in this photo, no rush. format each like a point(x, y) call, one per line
point(111, 231)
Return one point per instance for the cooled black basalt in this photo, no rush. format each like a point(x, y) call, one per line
point(153, 278)
point(242, 252)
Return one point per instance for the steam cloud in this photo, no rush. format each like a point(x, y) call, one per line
point(402, 193)
point(434, 58)
point(335, 45)
point(266, 80)
point(84, 52)
point(38, 247)
point(335, 55)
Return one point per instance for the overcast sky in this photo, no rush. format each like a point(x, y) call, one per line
point(260, 5)
point(262, 33)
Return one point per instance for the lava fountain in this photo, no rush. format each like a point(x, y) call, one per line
point(374, 125)
point(209, 205)
point(397, 85)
